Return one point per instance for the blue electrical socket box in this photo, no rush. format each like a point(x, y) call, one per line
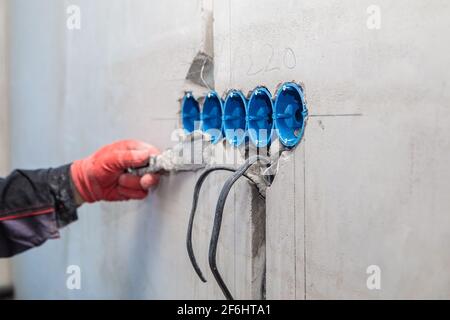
point(234, 118)
point(259, 117)
point(290, 113)
point(211, 116)
point(190, 113)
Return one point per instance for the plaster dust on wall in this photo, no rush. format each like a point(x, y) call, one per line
point(195, 152)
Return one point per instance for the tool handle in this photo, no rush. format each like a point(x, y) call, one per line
point(151, 167)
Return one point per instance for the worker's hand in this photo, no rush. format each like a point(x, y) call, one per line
point(102, 176)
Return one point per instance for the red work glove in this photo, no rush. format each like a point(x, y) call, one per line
point(102, 176)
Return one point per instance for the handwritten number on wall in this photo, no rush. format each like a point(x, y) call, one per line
point(275, 60)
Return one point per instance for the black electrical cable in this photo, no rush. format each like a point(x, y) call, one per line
point(197, 189)
point(218, 221)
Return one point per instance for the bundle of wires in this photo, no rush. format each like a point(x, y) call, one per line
point(238, 173)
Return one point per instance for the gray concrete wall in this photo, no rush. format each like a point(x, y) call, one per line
point(119, 76)
point(5, 278)
point(367, 186)
point(369, 183)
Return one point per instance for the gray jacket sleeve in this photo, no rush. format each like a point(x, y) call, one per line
point(34, 205)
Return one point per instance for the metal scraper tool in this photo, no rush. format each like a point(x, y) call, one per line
point(188, 155)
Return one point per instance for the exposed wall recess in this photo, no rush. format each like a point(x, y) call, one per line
point(201, 71)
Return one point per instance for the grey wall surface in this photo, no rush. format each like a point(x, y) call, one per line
point(118, 77)
point(367, 186)
point(5, 278)
point(369, 183)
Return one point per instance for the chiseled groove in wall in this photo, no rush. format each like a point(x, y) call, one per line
point(295, 232)
point(229, 39)
point(304, 216)
point(234, 236)
point(258, 244)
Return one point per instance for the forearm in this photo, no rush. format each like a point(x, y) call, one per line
point(34, 205)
